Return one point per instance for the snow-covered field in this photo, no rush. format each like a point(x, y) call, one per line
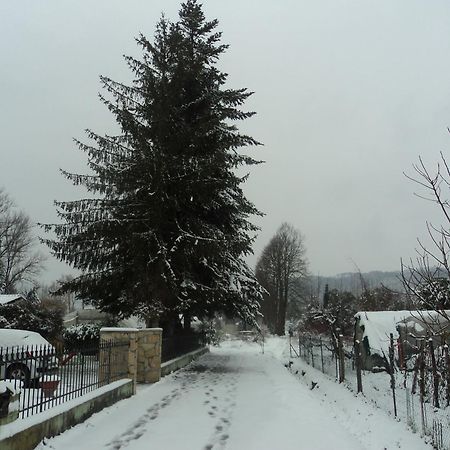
point(238, 398)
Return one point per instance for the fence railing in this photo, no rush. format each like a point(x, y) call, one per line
point(174, 346)
point(412, 385)
point(50, 375)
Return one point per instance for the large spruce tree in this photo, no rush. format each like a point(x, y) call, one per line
point(166, 227)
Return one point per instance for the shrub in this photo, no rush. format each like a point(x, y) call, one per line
point(33, 316)
point(86, 335)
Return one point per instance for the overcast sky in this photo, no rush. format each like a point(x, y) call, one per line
point(348, 95)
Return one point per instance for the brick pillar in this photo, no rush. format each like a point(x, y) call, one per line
point(149, 355)
point(118, 359)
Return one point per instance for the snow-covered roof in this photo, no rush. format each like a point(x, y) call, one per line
point(86, 314)
point(422, 321)
point(379, 324)
point(94, 315)
point(9, 298)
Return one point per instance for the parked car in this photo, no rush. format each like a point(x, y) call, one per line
point(25, 356)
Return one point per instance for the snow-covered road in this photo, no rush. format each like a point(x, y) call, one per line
point(236, 398)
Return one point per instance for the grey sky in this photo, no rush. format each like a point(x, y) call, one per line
point(348, 94)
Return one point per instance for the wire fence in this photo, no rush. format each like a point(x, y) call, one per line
point(410, 382)
point(50, 375)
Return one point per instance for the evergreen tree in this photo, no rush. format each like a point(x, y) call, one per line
point(167, 227)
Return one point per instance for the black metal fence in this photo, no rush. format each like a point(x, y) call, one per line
point(50, 375)
point(177, 345)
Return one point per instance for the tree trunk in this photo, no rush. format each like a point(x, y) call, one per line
point(187, 322)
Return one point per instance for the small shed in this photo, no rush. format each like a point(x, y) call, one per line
point(373, 329)
point(425, 325)
point(7, 299)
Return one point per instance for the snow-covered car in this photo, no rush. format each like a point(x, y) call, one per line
point(25, 356)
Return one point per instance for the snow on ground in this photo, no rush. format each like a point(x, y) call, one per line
point(237, 398)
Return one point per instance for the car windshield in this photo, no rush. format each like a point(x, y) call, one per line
point(13, 338)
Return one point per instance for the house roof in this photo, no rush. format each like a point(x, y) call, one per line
point(10, 298)
point(86, 314)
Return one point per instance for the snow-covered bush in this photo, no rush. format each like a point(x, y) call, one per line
point(82, 336)
point(433, 294)
point(34, 316)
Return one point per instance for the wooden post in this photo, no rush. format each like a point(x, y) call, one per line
point(309, 349)
point(422, 385)
point(447, 363)
point(401, 353)
point(416, 368)
point(341, 359)
point(321, 355)
point(392, 368)
point(402, 356)
point(358, 365)
point(435, 374)
point(336, 366)
point(312, 350)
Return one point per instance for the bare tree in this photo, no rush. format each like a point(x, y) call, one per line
point(281, 262)
point(426, 278)
point(19, 261)
point(67, 298)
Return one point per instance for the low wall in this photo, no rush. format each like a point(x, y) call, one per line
point(26, 434)
point(177, 363)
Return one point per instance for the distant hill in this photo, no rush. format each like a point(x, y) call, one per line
point(352, 281)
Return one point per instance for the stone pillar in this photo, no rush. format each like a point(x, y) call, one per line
point(149, 355)
point(118, 354)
